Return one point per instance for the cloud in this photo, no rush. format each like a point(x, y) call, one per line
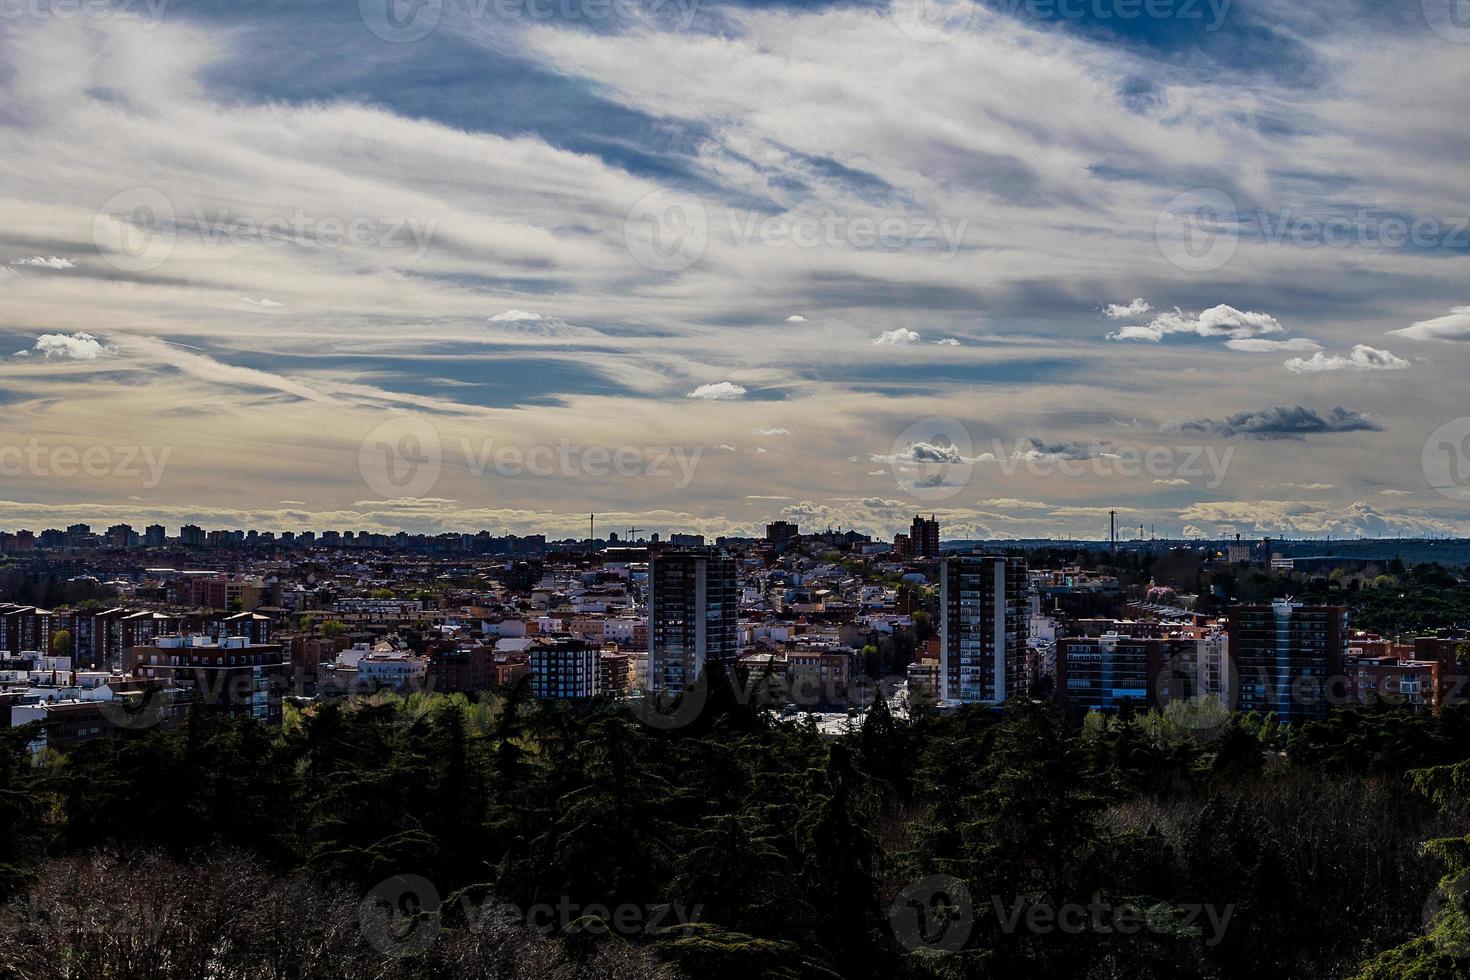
point(45, 262)
point(1260, 345)
point(948, 342)
point(1395, 493)
point(883, 503)
point(808, 511)
point(1012, 503)
point(263, 302)
point(1137, 333)
point(901, 337)
point(925, 453)
point(1178, 482)
point(1217, 321)
point(70, 347)
point(1064, 449)
point(1115, 311)
point(1453, 326)
point(1358, 519)
point(1362, 358)
point(722, 391)
point(771, 432)
point(796, 318)
point(316, 389)
point(1278, 422)
point(515, 316)
point(541, 219)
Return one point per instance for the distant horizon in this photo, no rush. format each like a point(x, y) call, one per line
point(1122, 542)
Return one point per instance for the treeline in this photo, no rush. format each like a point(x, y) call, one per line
point(436, 836)
point(1401, 602)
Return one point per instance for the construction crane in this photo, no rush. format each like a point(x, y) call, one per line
point(633, 533)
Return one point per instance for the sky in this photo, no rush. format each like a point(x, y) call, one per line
point(696, 266)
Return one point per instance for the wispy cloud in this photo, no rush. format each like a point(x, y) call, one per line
point(45, 262)
point(1060, 207)
point(1261, 345)
point(1454, 325)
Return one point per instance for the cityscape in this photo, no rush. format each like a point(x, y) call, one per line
point(1164, 661)
point(813, 625)
point(734, 490)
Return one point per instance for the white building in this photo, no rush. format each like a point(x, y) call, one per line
point(400, 671)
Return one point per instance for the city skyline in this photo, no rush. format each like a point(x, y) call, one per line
point(684, 265)
point(125, 535)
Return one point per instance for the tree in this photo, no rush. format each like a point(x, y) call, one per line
point(61, 643)
point(883, 748)
point(1439, 954)
point(227, 915)
point(784, 849)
